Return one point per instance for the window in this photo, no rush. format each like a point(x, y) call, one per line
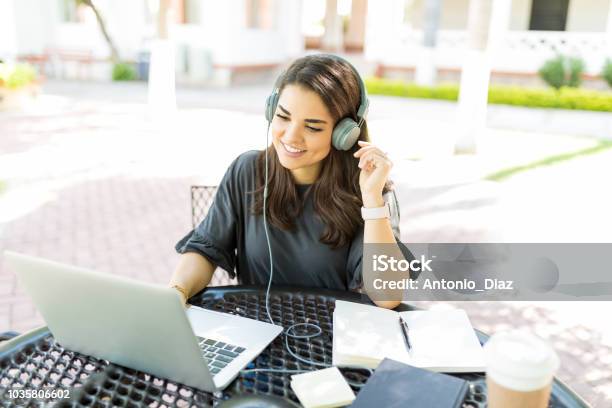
point(548, 15)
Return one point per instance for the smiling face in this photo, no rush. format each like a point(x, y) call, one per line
point(301, 132)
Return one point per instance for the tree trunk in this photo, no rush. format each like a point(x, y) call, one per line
point(109, 41)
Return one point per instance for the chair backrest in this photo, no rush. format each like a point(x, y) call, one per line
point(201, 199)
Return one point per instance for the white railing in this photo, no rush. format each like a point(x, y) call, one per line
point(518, 51)
point(530, 49)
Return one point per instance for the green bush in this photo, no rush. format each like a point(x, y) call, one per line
point(563, 98)
point(606, 73)
point(377, 86)
point(562, 71)
point(16, 76)
point(124, 71)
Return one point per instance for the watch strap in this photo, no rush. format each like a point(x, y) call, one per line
point(376, 213)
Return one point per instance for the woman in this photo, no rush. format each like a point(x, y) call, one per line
point(319, 179)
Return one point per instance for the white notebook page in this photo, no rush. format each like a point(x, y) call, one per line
point(442, 340)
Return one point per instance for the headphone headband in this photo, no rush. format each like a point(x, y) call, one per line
point(363, 97)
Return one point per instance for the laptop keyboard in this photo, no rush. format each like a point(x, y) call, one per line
point(217, 353)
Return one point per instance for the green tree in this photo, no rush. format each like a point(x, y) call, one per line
point(606, 73)
point(562, 71)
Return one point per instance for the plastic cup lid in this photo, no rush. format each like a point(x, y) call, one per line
point(520, 354)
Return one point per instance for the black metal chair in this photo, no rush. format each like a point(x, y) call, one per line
point(202, 198)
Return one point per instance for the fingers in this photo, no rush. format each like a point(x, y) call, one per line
point(371, 157)
point(364, 150)
point(374, 158)
point(366, 147)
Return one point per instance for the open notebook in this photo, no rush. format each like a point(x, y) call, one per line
point(441, 340)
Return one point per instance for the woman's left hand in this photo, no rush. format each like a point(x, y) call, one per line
point(375, 168)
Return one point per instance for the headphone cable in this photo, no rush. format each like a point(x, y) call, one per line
point(288, 332)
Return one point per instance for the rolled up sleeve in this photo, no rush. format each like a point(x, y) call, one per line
point(215, 237)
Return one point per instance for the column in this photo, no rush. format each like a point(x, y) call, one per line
point(426, 66)
point(476, 70)
point(332, 38)
point(355, 35)
point(161, 89)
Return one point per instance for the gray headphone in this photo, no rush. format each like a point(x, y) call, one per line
point(347, 131)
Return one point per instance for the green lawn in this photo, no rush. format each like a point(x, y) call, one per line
point(506, 173)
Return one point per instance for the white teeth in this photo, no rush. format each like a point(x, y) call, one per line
point(292, 150)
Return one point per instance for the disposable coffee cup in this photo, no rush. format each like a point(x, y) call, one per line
point(520, 370)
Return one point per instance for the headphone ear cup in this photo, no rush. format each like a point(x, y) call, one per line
point(345, 134)
point(271, 102)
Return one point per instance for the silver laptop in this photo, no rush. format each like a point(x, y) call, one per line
point(140, 325)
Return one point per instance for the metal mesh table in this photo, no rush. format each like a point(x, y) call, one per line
point(36, 360)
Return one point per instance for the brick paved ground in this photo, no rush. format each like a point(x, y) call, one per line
point(95, 184)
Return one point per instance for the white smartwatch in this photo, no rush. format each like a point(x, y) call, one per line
point(376, 213)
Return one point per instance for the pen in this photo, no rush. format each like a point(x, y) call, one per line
point(404, 327)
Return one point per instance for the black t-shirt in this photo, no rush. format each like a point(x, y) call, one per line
point(232, 238)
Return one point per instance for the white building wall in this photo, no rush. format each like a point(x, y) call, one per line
point(221, 37)
point(265, 46)
point(453, 17)
point(8, 31)
point(520, 14)
point(35, 22)
point(223, 32)
point(454, 14)
point(290, 27)
point(392, 41)
point(40, 26)
point(252, 46)
point(126, 24)
point(78, 37)
point(413, 13)
point(587, 15)
point(583, 15)
point(384, 25)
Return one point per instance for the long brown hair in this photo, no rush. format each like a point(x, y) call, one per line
point(336, 193)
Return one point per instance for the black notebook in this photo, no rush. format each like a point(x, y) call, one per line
point(396, 384)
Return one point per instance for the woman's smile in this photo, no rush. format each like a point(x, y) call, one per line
point(292, 151)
